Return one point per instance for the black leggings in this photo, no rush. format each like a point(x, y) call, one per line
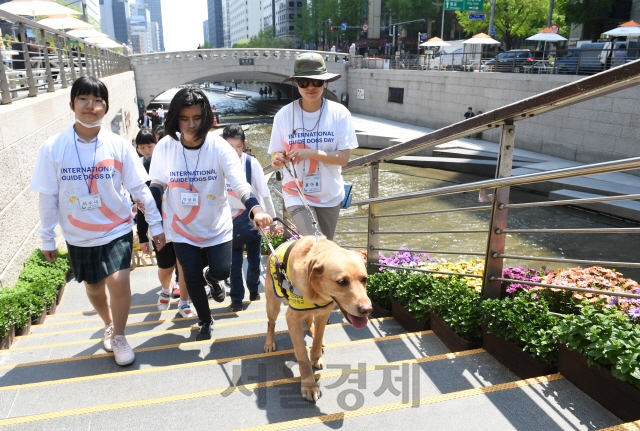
point(190, 259)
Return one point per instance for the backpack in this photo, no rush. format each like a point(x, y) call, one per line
point(243, 230)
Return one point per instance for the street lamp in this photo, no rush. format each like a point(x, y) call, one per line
point(442, 28)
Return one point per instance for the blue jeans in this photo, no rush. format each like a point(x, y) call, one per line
point(253, 272)
point(189, 257)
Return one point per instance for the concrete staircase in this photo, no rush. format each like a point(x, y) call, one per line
point(379, 377)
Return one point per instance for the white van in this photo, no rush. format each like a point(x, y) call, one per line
point(455, 56)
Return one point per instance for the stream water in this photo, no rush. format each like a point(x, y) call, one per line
point(395, 178)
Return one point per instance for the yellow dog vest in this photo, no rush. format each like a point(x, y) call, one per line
point(296, 300)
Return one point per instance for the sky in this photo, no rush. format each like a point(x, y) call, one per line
point(183, 25)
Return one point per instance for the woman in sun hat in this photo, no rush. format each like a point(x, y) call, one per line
point(316, 135)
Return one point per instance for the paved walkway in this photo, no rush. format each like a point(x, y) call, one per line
point(59, 377)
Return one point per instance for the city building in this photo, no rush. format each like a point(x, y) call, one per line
point(216, 23)
point(92, 8)
point(155, 36)
point(114, 20)
point(138, 44)
point(268, 14)
point(285, 14)
point(205, 30)
point(140, 21)
point(244, 20)
point(155, 7)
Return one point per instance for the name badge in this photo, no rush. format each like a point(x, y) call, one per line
point(312, 183)
point(90, 202)
point(190, 199)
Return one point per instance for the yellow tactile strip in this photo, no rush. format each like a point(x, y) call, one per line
point(305, 421)
point(629, 426)
point(140, 334)
point(167, 346)
point(400, 405)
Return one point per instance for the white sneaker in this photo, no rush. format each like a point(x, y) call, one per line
point(122, 351)
point(164, 300)
point(108, 332)
point(186, 311)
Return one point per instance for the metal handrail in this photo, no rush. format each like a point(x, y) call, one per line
point(449, 210)
point(575, 289)
point(576, 171)
point(468, 253)
point(579, 261)
point(408, 268)
point(571, 201)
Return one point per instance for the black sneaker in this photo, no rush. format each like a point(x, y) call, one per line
point(235, 306)
point(217, 293)
point(204, 330)
point(254, 296)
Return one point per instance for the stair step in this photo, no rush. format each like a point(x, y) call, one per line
point(584, 184)
point(477, 154)
point(474, 166)
point(625, 209)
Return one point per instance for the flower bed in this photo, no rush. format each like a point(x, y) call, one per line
point(35, 292)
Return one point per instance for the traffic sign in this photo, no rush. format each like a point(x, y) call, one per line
point(493, 32)
point(555, 28)
point(477, 16)
point(365, 27)
point(344, 26)
point(464, 5)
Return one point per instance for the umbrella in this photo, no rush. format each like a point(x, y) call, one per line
point(435, 41)
point(37, 7)
point(65, 23)
point(95, 40)
point(547, 35)
point(108, 43)
point(630, 28)
point(90, 32)
point(482, 39)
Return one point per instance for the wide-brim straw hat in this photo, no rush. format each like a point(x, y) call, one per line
point(311, 65)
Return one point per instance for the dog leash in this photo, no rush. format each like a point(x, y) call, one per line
point(303, 199)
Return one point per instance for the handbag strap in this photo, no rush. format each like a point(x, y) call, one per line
point(247, 168)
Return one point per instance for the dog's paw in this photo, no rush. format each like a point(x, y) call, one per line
point(270, 347)
point(318, 363)
point(310, 392)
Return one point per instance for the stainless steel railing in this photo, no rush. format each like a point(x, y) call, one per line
point(30, 67)
point(247, 54)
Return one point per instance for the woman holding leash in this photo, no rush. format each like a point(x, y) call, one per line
point(316, 136)
point(191, 164)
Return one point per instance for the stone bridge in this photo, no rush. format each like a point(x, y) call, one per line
point(158, 72)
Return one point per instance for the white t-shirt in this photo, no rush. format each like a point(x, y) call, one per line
point(208, 223)
point(258, 184)
point(160, 112)
point(334, 132)
point(59, 172)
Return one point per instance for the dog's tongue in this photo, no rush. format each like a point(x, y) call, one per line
point(358, 322)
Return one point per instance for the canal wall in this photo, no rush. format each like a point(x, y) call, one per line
point(592, 131)
point(24, 126)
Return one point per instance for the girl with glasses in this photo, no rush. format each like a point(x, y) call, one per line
point(81, 175)
point(316, 135)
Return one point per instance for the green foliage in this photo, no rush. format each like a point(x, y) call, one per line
point(586, 11)
point(380, 287)
point(526, 322)
point(459, 306)
point(607, 338)
point(276, 241)
point(264, 39)
point(313, 22)
point(5, 325)
point(20, 304)
point(206, 45)
point(409, 10)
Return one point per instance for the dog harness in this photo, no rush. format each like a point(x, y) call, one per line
point(282, 286)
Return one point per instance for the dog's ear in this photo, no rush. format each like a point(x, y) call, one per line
point(315, 268)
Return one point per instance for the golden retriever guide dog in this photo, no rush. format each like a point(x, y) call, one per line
point(324, 275)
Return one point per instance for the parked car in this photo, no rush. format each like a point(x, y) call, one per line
point(515, 60)
point(588, 57)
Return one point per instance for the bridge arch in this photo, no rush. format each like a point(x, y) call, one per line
point(158, 72)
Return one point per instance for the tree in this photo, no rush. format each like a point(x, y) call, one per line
point(317, 16)
point(206, 45)
point(513, 18)
point(264, 39)
point(409, 10)
point(586, 11)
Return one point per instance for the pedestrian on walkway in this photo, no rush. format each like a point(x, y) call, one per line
point(166, 257)
point(619, 55)
point(606, 55)
point(316, 135)
point(261, 92)
point(244, 234)
point(154, 119)
point(79, 175)
point(193, 165)
point(278, 94)
point(270, 92)
point(161, 113)
point(469, 114)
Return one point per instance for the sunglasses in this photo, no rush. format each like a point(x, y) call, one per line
point(305, 82)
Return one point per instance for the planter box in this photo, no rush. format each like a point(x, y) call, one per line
point(619, 397)
point(509, 354)
point(7, 341)
point(450, 338)
point(52, 309)
point(379, 311)
point(406, 320)
point(60, 293)
point(40, 319)
point(25, 330)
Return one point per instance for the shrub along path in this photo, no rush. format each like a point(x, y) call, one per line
point(379, 377)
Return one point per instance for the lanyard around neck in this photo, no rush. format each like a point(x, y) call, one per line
point(95, 150)
point(189, 178)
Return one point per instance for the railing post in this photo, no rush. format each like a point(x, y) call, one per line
point(47, 63)
point(4, 83)
point(496, 242)
point(373, 239)
point(33, 91)
point(63, 72)
point(80, 68)
point(72, 63)
point(98, 61)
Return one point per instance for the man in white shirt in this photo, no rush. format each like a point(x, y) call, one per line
point(161, 114)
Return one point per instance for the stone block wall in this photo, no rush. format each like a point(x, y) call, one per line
point(24, 126)
point(596, 130)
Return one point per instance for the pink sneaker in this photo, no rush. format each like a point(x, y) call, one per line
point(123, 352)
point(108, 332)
